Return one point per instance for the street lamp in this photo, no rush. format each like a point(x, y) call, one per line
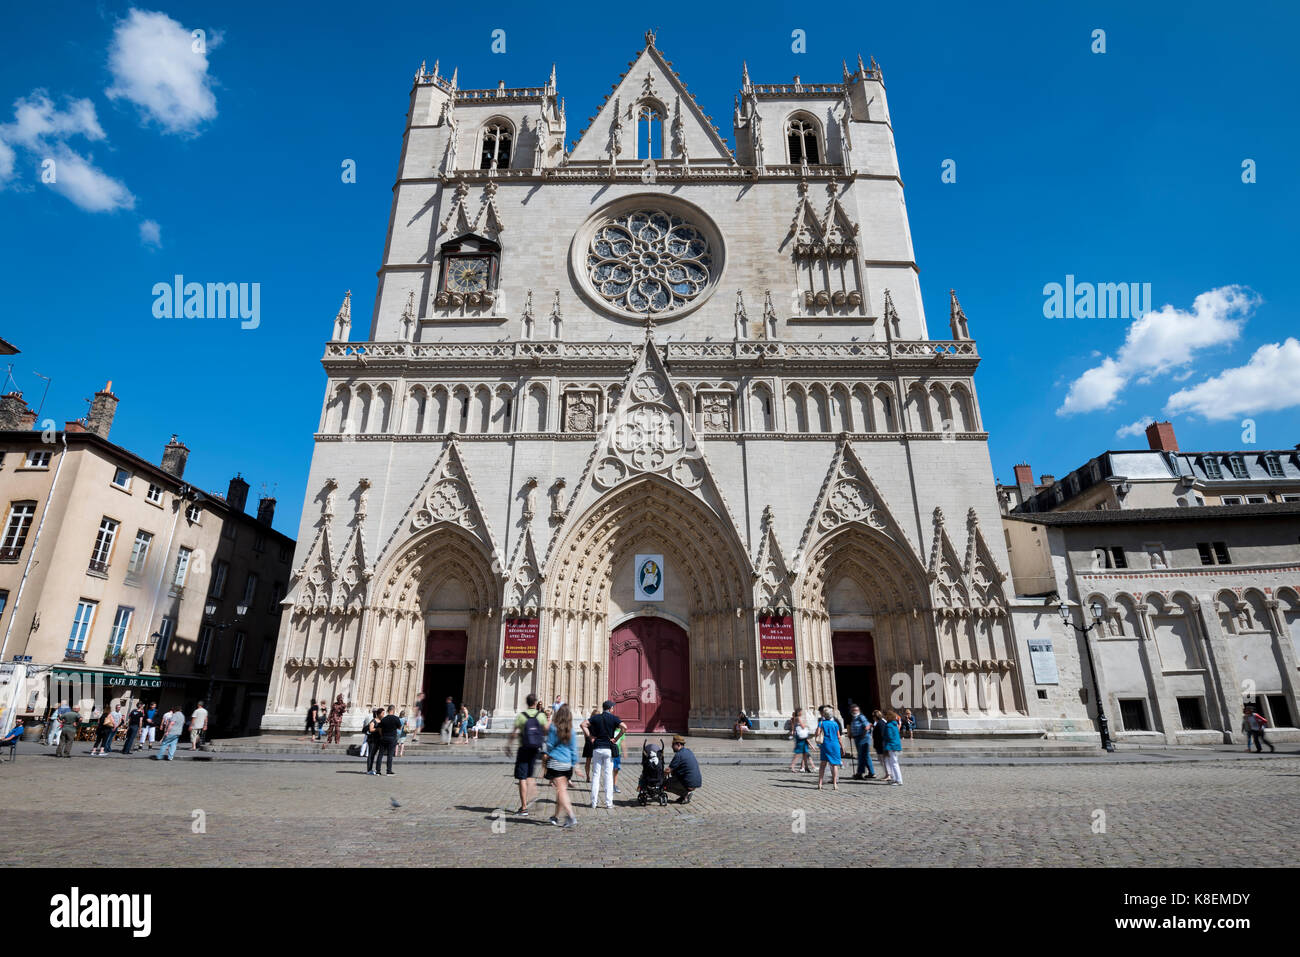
point(209, 611)
point(1068, 619)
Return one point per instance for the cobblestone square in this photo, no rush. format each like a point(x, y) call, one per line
point(119, 811)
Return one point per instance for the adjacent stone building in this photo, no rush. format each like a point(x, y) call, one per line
point(654, 418)
point(1193, 560)
point(120, 580)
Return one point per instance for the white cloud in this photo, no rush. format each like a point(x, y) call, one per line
point(1161, 342)
point(79, 180)
point(37, 120)
point(155, 66)
point(6, 162)
point(150, 233)
point(1267, 383)
point(41, 129)
point(1135, 428)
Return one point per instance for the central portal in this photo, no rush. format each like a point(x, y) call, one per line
point(649, 675)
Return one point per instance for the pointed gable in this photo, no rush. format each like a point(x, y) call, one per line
point(648, 433)
point(524, 581)
point(945, 570)
point(774, 592)
point(447, 496)
point(312, 584)
point(849, 494)
point(688, 134)
point(981, 569)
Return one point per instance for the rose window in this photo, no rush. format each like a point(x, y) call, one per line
point(649, 262)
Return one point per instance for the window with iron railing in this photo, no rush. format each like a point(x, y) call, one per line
point(81, 622)
point(16, 528)
point(103, 549)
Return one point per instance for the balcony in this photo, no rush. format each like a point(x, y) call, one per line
point(99, 569)
point(114, 659)
point(72, 654)
point(176, 591)
point(10, 554)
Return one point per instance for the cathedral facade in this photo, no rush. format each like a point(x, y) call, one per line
point(654, 419)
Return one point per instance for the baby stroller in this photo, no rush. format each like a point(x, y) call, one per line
point(650, 787)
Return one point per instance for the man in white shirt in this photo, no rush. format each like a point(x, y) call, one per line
point(198, 724)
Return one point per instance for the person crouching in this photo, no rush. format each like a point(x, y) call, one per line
point(683, 771)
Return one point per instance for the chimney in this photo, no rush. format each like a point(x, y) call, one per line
point(1025, 481)
point(28, 419)
point(1160, 436)
point(1047, 480)
point(265, 510)
point(174, 456)
point(12, 411)
point(237, 494)
point(102, 409)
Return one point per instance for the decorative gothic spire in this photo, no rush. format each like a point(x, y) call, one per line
point(550, 84)
point(744, 75)
point(650, 38)
point(408, 316)
point(343, 320)
point(957, 318)
point(891, 314)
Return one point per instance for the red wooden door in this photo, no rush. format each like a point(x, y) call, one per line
point(649, 675)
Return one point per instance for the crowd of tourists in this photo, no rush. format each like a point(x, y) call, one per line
point(882, 732)
point(139, 728)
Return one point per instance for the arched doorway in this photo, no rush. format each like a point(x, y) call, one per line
point(854, 655)
point(589, 585)
point(444, 671)
point(649, 674)
point(861, 596)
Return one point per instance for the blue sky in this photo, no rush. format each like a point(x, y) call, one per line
point(1123, 166)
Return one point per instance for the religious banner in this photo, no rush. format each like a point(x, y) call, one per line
point(776, 637)
point(521, 638)
point(649, 577)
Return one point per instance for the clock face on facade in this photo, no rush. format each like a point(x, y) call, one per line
point(467, 274)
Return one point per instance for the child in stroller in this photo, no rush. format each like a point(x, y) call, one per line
point(650, 787)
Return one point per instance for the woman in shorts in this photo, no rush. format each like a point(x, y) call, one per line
point(802, 751)
point(561, 756)
point(401, 737)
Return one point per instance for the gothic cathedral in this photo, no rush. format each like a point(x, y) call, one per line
point(652, 419)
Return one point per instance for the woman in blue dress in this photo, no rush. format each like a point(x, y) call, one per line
point(828, 739)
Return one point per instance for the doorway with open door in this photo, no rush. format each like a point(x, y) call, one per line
point(444, 674)
point(855, 671)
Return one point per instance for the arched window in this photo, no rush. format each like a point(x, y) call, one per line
point(650, 131)
point(497, 140)
point(801, 135)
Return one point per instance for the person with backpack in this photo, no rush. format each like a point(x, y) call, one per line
point(603, 728)
point(860, 734)
point(530, 728)
point(1254, 723)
